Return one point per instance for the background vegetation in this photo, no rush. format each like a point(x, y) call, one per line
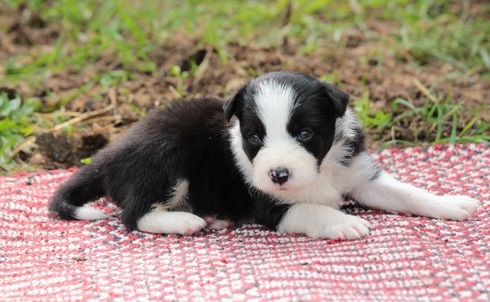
point(100, 45)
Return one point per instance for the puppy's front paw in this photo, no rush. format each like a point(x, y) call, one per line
point(322, 222)
point(351, 227)
point(457, 207)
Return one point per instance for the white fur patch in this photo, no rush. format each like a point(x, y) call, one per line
point(274, 106)
point(241, 159)
point(387, 193)
point(179, 194)
point(89, 213)
point(161, 221)
point(275, 103)
point(322, 221)
point(301, 164)
point(344, 126)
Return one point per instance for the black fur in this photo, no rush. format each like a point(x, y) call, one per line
point(325, 104)
point(355, 145)
point(190, 140)
point(187, 140)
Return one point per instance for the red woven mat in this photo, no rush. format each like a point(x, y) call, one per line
point(404, 258)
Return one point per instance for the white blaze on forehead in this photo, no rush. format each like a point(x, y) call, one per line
point(274, 106)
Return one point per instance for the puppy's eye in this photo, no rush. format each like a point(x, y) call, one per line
point(304, 135)
point(254, 139)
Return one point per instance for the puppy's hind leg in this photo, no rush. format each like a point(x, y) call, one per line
point(161, 221)
point(386, 193)
point(169, 217)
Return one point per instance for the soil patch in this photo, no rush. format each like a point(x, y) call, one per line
point(363, 65)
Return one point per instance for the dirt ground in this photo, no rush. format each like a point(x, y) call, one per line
point(364, 64)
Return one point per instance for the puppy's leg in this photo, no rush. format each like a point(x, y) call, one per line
point(161, 221)
point(387, 193)
point(172, 216)
point(217, 224)
point(322, 221)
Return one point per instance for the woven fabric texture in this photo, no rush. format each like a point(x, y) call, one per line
point(404, 258)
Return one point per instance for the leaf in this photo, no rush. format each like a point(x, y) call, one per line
point(400, 101)
point(15, 104)
point(6, 124)
point(86, 161)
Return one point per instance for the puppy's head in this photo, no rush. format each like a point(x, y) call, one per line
point(286, 126)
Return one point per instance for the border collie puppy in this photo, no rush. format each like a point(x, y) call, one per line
point(283, 153)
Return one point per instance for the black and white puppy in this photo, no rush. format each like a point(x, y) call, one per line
point(283, 153)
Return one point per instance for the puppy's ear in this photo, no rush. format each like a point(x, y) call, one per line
point(229, 108)
point(232, 106)
point(339, 99)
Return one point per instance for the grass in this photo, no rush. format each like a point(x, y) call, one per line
point(16, 122)
point(129, 31)
point(371, 118)
point(439, 115)
point(447, 37)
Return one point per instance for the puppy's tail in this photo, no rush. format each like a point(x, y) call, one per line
point(70, 199)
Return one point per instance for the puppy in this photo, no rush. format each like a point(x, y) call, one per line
point(283, 152)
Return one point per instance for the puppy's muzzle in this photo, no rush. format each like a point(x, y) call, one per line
point(279, 175)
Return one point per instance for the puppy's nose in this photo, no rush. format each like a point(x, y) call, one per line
point(279, 175)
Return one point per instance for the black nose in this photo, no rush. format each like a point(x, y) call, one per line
point(279, 175)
